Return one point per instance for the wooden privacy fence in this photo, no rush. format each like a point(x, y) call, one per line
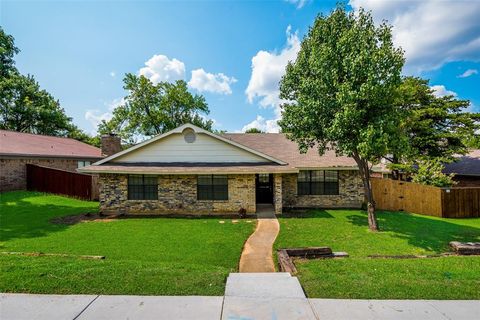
point(397, 195)
point(61, 182)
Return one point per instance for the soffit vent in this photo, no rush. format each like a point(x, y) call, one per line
point(189, 135)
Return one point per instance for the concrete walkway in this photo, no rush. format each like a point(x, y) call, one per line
point(236, 305)
point(257, 251)
point(276, 296)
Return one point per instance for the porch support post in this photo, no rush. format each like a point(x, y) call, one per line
point(277, 193)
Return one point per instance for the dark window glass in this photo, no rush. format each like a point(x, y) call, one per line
point(318, 182)
point(304, 176)
point(212, 187)
point(142, 187)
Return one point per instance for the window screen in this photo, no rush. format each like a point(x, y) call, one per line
point(141, 187)
point(212, 187)
point(318, 182)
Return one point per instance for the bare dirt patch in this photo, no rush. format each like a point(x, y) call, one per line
point(87, 217)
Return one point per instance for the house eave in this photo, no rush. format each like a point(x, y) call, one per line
point(44, 156)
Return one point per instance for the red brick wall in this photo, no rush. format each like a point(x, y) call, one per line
point(13, 174)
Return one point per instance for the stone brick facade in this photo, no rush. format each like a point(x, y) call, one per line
point(351, 194)
point(13, 172)
point(277, 193)
point(177, 194)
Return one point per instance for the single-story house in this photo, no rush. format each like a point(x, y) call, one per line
point(190, 170)
point(18, 149)
point(466, 169)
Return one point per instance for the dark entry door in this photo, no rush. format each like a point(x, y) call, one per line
point(264, 188)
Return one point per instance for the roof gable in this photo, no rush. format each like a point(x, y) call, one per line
point(173, 147)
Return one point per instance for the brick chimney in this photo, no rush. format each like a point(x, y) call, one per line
point(110, 144)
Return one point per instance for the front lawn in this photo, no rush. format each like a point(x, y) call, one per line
point(360, 277)
point(144, 256)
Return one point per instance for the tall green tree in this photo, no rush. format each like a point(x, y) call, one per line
point(340, 92)
point(7, 51)
point(24, 106)
point(150, 109)
point(253, 130)
point(436, 128)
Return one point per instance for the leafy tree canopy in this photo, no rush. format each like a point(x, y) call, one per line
point(7, 52)
point(24, 106)
point(152, 109)
point(435, 127)
point(254, 130)
point(429, 172)
point(340, 91)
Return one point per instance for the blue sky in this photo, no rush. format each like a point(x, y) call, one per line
point(233, 52)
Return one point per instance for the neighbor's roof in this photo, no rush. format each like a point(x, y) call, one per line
point(34, 145)
point(468, 165)
point(277, 145)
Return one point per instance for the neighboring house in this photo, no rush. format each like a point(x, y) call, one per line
point(193, 171)
point(18, 149)
point(466, 169)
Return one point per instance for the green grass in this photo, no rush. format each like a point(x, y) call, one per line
point(359, 277)
point(151, 256)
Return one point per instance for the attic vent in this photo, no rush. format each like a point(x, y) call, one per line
point(189, 135)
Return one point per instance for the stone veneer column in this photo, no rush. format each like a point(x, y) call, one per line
point(277, 193)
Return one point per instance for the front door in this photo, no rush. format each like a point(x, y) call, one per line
point(264, 188)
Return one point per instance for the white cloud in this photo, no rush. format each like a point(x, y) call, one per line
point(96, 116)
point(263, 124)
point(267, 70)
point(432, 32)
point(208, 82)
point(441, 91)
point(268, 67)
point(468, 73)
point(298, 3)
point(161, 68)
point(472, 108)
point(112, 74)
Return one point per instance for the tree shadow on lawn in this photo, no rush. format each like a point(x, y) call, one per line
point(307, 213)
point(23, 219)
point(431, 234)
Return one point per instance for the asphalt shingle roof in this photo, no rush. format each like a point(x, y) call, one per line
point(465, 165)
point(25, 144)
point(278, 146)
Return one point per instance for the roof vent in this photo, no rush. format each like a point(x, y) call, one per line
point(189, 135)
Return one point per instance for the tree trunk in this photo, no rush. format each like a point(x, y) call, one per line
point(395, 172)
point(365, 173)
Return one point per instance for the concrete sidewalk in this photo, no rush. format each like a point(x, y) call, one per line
point(73, 307)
